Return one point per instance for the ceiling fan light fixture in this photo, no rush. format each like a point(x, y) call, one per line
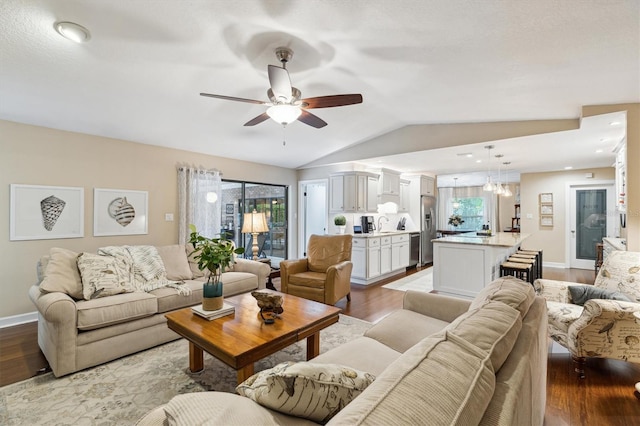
point(72, 31)
point(284, 114)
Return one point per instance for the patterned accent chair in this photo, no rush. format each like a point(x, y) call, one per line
point(325, 274)
point(601, 328)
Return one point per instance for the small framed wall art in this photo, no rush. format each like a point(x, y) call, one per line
point(46, 212)
point(546, 220)
point(546, 198)
point(546, 209)
point(119, 212)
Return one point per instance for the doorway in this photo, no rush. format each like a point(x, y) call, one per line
point(589, 221)
point(313, 202)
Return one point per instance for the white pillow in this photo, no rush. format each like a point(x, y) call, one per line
point(176, 264)
point(304, 389)
point(101, 276)
point(61, 273)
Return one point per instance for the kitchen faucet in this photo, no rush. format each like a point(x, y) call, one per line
point(380, 224)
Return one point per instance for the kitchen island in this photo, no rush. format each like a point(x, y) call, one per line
point(464, 264)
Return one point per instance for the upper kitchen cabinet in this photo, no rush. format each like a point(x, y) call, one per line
point(353, 192)
point(389, 186)
point(405, 196)
point(427, 186)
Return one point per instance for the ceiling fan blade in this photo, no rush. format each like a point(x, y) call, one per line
point(280, 83)
point(257, 120)
point(312, 120)
point(232, 98)
point(332, 101)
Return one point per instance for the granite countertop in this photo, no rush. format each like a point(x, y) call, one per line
point(499, 239)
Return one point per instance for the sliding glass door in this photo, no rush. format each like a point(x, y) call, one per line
point(244, 197)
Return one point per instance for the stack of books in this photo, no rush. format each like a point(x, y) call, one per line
point(210, 315)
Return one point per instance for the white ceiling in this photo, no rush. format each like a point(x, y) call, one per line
point(414, 62)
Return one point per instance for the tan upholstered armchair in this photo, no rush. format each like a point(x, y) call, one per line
point(602, 328)
point(325, 274)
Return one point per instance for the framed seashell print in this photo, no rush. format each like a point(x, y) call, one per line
point(46, 212)
point(119, 212)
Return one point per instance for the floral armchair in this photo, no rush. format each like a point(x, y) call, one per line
point(603, 328)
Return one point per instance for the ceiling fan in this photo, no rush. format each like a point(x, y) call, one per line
point(285, 105)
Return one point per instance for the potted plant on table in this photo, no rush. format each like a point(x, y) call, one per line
point(341, 222)
point(213, 255)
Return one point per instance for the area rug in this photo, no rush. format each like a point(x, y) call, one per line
point(420, 281)
point(122, 391)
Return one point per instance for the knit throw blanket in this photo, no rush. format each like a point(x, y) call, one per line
point(143, 265)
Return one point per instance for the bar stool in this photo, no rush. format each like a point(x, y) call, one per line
point(522, 271)
point(527, 261)
point(539, 254)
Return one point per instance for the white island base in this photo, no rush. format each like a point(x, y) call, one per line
point(462, 266)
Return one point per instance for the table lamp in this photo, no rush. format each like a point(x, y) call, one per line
point(254, 223)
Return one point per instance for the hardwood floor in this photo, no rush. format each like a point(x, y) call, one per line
point(604, 397)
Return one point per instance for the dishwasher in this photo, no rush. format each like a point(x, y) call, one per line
point(414, 249)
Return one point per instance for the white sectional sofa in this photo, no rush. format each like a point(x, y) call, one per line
point(75, 333)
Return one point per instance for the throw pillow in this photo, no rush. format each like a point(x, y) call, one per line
point(312, 391)
point(175, 262)
point(62, 274)
point(193, 264)
point(581, 293)
point(101, 276)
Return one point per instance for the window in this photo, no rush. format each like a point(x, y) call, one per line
point(472, 212)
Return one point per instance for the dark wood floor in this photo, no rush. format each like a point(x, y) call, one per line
point(605, 397)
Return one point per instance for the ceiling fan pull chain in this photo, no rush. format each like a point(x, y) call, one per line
point(284, 139)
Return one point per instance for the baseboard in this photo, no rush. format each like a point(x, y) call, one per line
point(554, 265)
point(18, 319)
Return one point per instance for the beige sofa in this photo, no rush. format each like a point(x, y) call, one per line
point(75, 333)
point(437, 361)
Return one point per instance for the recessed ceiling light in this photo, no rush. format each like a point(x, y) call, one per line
point(614, 123)
point(478, 161)
point(598, 151)
point(568, 168)
point(72, 31)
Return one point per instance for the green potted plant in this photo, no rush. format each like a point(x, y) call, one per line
point(341, 222)
point(213, 255)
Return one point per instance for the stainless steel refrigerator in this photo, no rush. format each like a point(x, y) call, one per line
point(428, 226)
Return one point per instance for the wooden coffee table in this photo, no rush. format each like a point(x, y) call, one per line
point(242, 338)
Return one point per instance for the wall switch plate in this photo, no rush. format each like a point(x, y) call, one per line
point(168, 217)
point(529, 215)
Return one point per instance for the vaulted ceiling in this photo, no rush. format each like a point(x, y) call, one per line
point(139, 76)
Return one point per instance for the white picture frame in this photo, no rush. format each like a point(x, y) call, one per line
point(546, 220)
point(41, 212)
point(546, 209)
point(120, 212)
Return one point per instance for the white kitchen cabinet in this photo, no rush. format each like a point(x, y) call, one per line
point(404, 196)
point(399, 251)
point(427, 185)
point(365, 256)
point(385, 255)
point(389, 182)
point(377, 257)
point(350, 192)
point(336, 193)
point(372, 193)
point(359, 260)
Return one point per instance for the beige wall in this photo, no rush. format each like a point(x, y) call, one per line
point(552, 239)
point(41, 156)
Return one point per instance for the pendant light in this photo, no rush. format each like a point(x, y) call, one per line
point(499, 190)
point(507, 190)
point(489, 186)
point(456, 202)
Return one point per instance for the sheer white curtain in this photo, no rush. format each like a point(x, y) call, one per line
point(445, 204)
point(196, 202)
